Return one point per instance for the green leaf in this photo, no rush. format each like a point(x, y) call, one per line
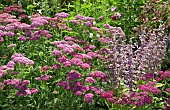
point(159, 85)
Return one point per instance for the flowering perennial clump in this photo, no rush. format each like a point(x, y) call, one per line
point(100, 65)
point(88, 97)
point(23, 90)
point(43, 77)
point(149, 88)
point(73, 75)
point(19, 58)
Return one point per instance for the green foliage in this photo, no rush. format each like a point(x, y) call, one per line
point(40, 52)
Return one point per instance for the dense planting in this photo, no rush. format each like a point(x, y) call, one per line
point(72, 61)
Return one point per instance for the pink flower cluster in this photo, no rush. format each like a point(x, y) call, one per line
point(87, 21)
point(168, 90)
point(108, 94)
point(131, 99)
point(16, 25)
point(98, 75)
point(62, 15)
point(20, 58)
point(37, 35)
point(21, 86)
point(5, 33)
point(13, 8)
point(78, 88)
point(7, 18)
point(11, 64)
point(72, 75)
point(84, 18)
point(96, 89)
point(43, 77)
point(147, 76)
point(88, 97)
point(90, 80)
point(149, 87)
point(73, 21)
point(70, 48)
point(67, 46)
point(65, 84)
point(4, 69)
point(163, 75)
point(38, 20)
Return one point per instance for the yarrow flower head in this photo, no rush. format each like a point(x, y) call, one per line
point(98, 75)
point(90, 80)
point(88, 97)
point(62, 15)
point(168, 90)
point(96, 89)
point(44, 68)
point(147, 76)
point(22, 38)
point(108, 94)
point(44, 77)
point(17, 55)
point(78, 93)
point(149, 87)
point(56, 66)
point(64, 84)
point(73, 75)
point(11, 64)
point(23, 60)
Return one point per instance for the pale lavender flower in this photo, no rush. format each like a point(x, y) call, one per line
point(11, 64)
point(75, 21)
point(56, 52)
point(23, 60)
point(12, 81)
point(11, 45)
point(88, 24)
point(76, 61)
point(17, 55)
point(62, 15)
point(67, 63)
point(106, 26)
point(22, 38)
point(113, 9)
point(95, 29)
point(85, 65)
